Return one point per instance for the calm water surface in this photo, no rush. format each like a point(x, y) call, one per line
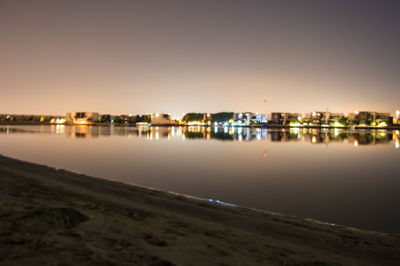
point(344, 177)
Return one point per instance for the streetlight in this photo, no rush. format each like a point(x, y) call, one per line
point(265, 108)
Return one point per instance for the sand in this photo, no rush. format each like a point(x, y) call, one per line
point(55, 217)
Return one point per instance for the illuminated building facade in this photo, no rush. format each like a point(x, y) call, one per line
point(160, 119)
point(82, 117)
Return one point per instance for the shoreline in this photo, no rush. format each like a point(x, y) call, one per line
point(127, 224)
point(266, 126)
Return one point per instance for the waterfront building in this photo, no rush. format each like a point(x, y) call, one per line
point(105, 118)
point(285, 118)
point(245, 118)
point(207, 118)
point(160, 119)
point(15, 118)
point(318, 117)
point(124, 119)
point(353, 117)
point(82, 117)
point(368, 117)
point(259, 118)
point(334, 119)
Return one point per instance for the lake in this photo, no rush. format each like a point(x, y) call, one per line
point(345, 177)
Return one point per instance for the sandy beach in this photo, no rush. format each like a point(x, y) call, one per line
point(56, 217)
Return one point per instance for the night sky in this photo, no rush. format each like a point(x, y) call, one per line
point(203, 56)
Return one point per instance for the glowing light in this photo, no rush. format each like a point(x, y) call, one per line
point(356, 112)
point(296, 124)
point(157, 115)
point(397, 143)
point(195, 123)
point(314, 139)
point(355, 143)
point(337, 124)
point(142, 124)
point(382, 124)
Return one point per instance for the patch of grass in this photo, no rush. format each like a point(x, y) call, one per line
point(62, 217)
point(17, 238)
point(153, 240)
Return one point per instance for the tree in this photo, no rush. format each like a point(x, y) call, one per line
point(222, 117)
point(189, 117)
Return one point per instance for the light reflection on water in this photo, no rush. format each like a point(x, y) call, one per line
point(339, 176)
point(313, 135)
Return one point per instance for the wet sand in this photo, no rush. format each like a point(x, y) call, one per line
point(55, 217)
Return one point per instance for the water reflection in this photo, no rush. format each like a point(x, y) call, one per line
point(313, 136)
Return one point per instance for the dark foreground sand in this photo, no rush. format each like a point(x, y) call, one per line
point(55, 217)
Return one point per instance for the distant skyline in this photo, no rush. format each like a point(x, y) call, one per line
point(199, 56)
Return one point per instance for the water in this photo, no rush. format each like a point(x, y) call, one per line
point(345, 177)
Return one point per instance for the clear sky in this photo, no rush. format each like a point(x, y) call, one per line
point(202, 56)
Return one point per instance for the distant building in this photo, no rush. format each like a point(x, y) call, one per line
point(318, 117)
point(160, 119)
point(207, 117)
point(124, 119)
point(353, 117)
point(82, 117)
point(367, 117)
point(383, 116)
point(284, 118)
point(105, 118)
point(332, 118)
point(259, 118)
point(247, 118)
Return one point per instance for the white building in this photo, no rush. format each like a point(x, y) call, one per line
point(160, 119)
point(82, 117)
